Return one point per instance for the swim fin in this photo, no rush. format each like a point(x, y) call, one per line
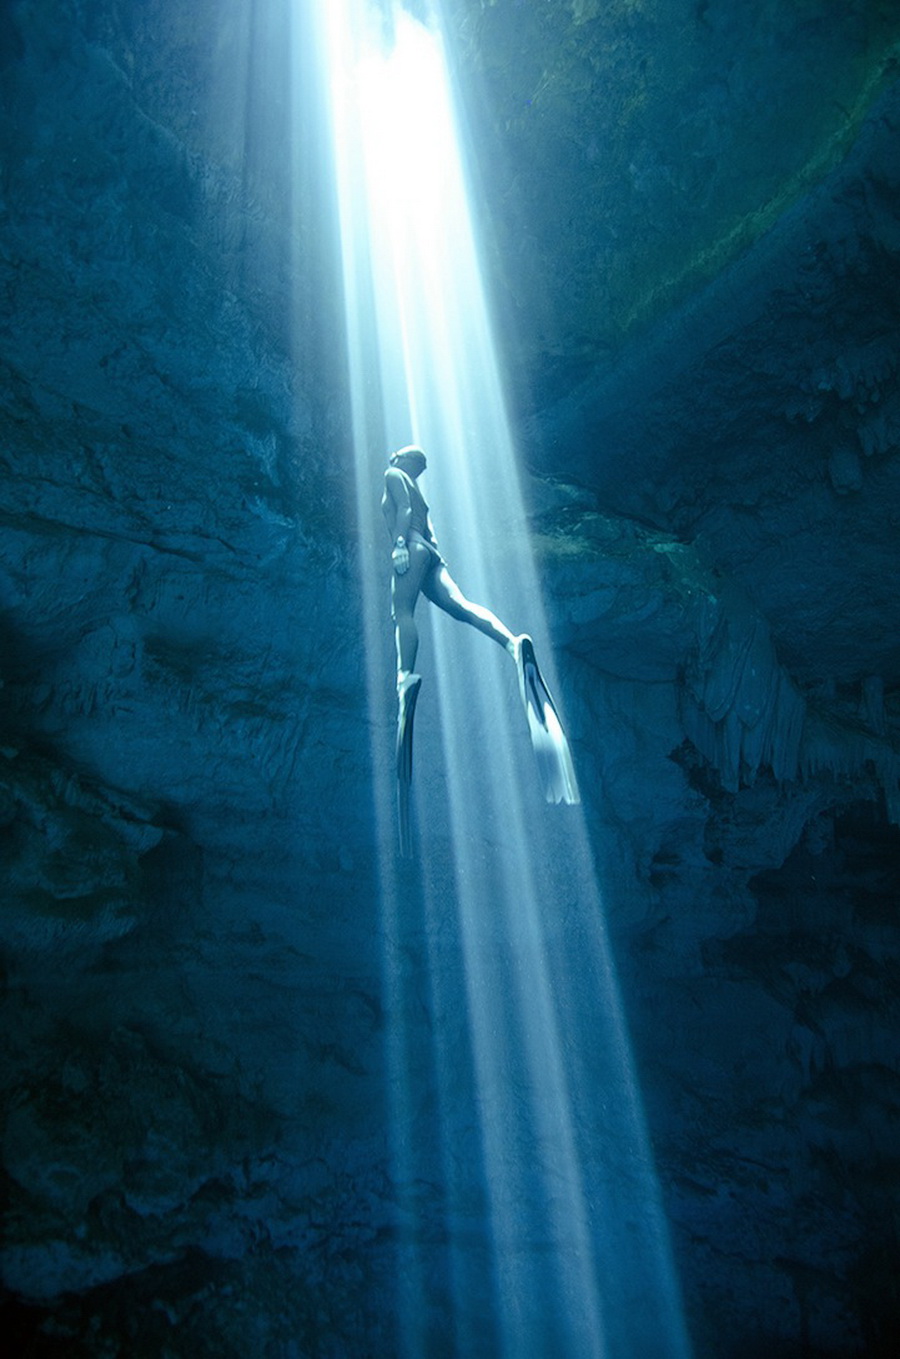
point(407, 694)
point(548, 740)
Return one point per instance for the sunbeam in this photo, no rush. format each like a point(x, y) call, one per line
point(529, 1216)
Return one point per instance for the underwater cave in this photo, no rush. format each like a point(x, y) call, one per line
point(612, 1079)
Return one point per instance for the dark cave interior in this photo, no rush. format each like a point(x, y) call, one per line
point(691, 237)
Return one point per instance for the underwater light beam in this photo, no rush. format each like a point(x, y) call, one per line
point(523, 1045)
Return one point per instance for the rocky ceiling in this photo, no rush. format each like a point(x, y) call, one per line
point(691, 225)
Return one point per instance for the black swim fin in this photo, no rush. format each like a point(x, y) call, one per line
point(548, 740)
point(407, 694)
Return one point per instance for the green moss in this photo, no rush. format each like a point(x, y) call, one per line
point(639, 147)
point(671, 275)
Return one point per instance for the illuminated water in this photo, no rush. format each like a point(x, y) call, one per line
point(529, 1222)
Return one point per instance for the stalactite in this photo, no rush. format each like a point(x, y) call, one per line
point(847, 752)
point(740, 707)
point(743, 712)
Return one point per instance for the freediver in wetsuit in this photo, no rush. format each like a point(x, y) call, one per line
point(419, 568)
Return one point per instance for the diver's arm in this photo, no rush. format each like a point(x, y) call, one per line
point(398, 515)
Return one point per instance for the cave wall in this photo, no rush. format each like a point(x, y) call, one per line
point(756, 939)
point(191, 1000)
point(699, 299)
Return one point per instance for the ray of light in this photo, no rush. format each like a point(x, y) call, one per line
point(530, 1222)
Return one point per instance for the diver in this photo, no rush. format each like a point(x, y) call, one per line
point(419, 568)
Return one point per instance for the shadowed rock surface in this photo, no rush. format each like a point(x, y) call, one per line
point(692, 231)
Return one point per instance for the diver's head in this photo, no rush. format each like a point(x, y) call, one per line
point(410, 460)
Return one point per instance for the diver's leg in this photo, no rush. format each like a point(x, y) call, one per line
point(440, 587)
point(547, 736)
point(404, 594)
point(405, 590)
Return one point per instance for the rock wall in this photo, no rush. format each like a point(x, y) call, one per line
point(191, 1061)
point(753, 894)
